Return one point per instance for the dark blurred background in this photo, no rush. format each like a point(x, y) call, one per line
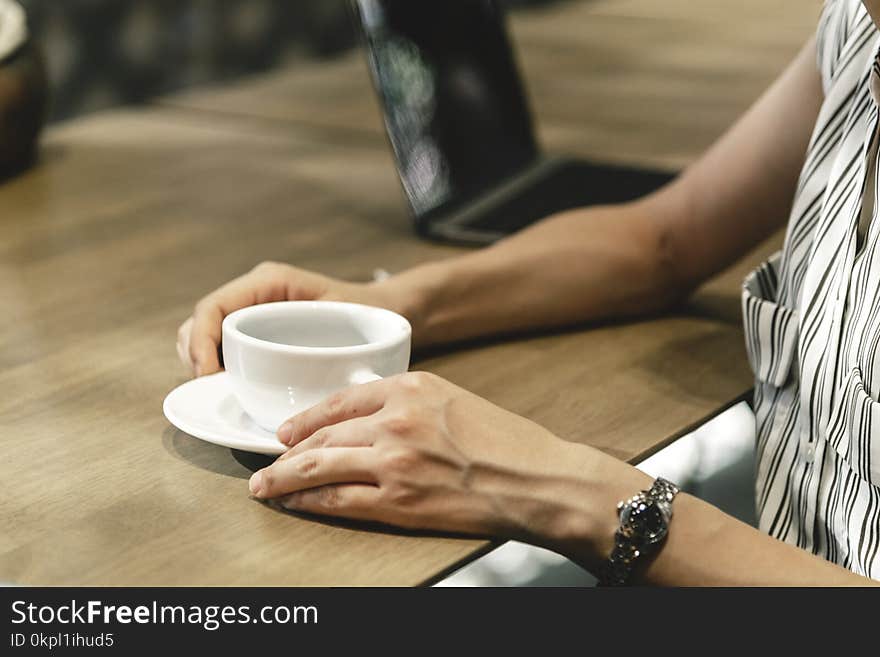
point(101, 53)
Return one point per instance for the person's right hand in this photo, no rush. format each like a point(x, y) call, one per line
point(198, 338)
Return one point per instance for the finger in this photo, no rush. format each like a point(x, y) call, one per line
point(247, 290)
point(358, 432)
point(358, 501)
point(315, 468)
point(356, 401)
point(183, 343)
point(204, 340)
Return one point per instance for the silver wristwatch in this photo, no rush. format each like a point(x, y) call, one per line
point(644, 523)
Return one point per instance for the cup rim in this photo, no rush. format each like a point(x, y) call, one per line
point(230, 326)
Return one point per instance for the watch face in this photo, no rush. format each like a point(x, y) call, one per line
point(646, 520)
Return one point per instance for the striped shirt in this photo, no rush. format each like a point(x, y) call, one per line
point(812, 321)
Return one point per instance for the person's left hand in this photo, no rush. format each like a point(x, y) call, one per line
point(419, 452)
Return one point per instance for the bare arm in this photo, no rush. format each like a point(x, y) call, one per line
point(634, 258)
point(417, 451)
point(581, 265)
point(705, 547)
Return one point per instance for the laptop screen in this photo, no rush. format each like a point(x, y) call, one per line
point(455, 110)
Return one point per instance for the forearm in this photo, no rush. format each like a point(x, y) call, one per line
point(577, 266)
point(571, 508)
point(710, 548)
point(635, 258)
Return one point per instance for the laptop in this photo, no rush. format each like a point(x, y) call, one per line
point(458, 121)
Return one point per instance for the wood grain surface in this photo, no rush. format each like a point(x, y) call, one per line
point(636, 81)
point(132, 215)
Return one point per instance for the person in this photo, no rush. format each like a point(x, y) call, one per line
point(419, 452)
point(23, 91)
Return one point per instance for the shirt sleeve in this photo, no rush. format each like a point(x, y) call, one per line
point(835, 27)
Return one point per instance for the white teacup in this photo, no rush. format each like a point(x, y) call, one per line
point(285, 357)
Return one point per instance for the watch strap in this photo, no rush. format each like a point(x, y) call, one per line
point(629, 547)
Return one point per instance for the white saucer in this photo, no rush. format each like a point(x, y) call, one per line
point(205, 408)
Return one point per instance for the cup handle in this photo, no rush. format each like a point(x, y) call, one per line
point(362, 376)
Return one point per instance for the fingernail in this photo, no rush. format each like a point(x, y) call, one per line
point(256, 483)
point(285, 432)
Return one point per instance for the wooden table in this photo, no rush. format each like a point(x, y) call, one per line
point(132, 215)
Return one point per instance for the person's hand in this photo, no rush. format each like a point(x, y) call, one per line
point(198, 338)
point(419, 452)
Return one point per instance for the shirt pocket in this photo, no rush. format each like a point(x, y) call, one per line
point(854, 429)
point(771, 329)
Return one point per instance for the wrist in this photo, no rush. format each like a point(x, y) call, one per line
point(581, 504)
point(416, 294)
